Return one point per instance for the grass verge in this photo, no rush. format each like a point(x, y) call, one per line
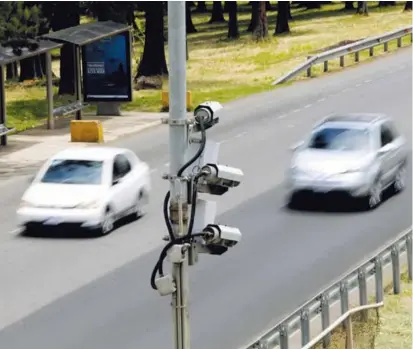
point(224, 70)
point(390, 329)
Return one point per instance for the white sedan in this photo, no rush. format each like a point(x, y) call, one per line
point(88, 188)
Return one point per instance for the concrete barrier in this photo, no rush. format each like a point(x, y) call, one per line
point(89, 131)
point(165, 100)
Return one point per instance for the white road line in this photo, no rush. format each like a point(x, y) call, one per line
point(358, 85)
point(307, 106)
point(296, 110)
point(282, 116)
point(290, 126)
point(321, 100)
point(345, 90)
point(367, 81)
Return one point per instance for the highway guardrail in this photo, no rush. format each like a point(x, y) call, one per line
point(320, 312)
point(353, 48)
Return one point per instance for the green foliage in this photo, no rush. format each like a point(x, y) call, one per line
point(18, 21)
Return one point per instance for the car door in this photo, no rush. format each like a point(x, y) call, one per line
point(387, 153)
point(121, 178)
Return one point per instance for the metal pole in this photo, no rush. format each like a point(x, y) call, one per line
point(49, 91)
point(178, 143)
point(2, 104)
point(78, 77)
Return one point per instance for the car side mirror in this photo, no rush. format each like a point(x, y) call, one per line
point(384, 149)
point(116, 181)
point(297, 145)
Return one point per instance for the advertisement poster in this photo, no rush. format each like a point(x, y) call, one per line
point(107, 70)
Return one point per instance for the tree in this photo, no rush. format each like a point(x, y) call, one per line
point(254, 16)
point(153, 62)
point(190, 28)
point(362, 8)
point(261, 29)
point(348, 5)
point(233, 32)
point(408, 6)
point(283, 14)
point(62, 15)
point(217, 12)
point(20, 25)
point(117, 11)
point(201, 7)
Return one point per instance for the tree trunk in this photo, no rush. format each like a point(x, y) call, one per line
point(261, 30)
point(408, 6)
point(217, 12)
point(348, 5)
point(254, 16)
point(362, 8)
point(190, 28)
point(64, 15)
point(153, 62)
point(201, 7)
point(282, 18)
point(12, 71)
point(233, 32)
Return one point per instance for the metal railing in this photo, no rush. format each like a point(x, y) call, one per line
point(349, 326)
point(353, 48)
point(316, 316)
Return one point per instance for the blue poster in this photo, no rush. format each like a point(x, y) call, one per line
point(106, 70)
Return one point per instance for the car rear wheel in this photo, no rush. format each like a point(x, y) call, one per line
point(400, 179)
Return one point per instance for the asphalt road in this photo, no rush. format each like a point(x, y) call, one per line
point(94, 293)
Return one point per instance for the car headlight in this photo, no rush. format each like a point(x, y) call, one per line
point(88, 204)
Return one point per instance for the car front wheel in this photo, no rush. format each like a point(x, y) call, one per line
point(108, 222)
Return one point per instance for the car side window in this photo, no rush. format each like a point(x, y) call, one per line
point(386, 134)
point(121, 166)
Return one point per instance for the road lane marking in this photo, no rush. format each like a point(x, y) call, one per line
point(296, 110)
point(321, 100)
point(358, 85)
point(282, 116)
point(307, 106)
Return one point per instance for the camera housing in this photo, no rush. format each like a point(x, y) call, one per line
point(218, 179)
point(218, 238)
point(207, 113)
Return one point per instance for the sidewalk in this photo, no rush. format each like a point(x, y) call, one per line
point(26, 150)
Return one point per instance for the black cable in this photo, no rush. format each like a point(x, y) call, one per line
point(198, 153)
point(166, 215)
point(159, 264)
point(194, 197)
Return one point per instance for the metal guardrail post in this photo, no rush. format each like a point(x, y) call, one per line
point(349, 333)
point(363, 291)
point(309, 68)
point(342, 61)
point(371, 51)
point(305, 326)
point(409, 256)
point(396, 269)
point(386, 46)
point(284, 336)
point(325, 66)
point(411, 37)
point(378, 265)
point(344, 301)
point(399, 42)
point(325, 318)
point(357, 57)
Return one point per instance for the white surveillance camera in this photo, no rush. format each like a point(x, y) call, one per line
point(218, 238)
point(218, 179)
point(207, 113)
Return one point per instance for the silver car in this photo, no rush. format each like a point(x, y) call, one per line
point(358, 155)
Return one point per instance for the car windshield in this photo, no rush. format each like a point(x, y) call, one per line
point(74, 172)
point(350, 139)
